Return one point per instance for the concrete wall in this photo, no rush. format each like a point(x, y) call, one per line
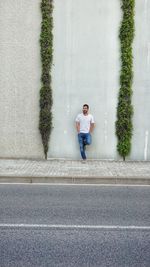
point(19, 78)
point(86, 70)
point(141, 86)
point(86, 67)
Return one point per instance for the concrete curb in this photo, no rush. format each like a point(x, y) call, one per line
point(76, 180)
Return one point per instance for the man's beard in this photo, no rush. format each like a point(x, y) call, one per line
point(85, 112)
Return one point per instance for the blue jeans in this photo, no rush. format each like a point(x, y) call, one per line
point(84, 139)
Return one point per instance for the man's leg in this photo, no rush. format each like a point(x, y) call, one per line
point(88, 139)
point(81, 138)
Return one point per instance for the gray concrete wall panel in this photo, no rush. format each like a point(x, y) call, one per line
point(141, 85)
point(86, 69)
point(19, 79)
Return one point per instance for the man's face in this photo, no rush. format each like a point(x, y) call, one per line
point(85, 110)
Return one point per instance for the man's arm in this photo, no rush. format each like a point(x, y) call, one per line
point(92, 125)
point(78, 126)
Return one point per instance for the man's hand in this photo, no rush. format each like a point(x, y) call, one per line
point(78, 127)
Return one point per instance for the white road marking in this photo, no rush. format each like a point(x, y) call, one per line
point(62, 226)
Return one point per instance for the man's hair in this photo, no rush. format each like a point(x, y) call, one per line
point(86, 105)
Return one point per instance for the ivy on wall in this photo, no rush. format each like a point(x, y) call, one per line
point(124, 125)
point(46, 42)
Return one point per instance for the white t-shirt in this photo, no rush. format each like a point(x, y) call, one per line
point(85, 121)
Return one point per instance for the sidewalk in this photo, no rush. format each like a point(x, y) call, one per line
point(74, 171)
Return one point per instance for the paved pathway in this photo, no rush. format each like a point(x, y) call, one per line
point(74, 171)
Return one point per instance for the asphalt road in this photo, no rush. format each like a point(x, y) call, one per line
point(51, 225)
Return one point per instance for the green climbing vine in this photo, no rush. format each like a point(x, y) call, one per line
point(46, 42)
point(124, 125)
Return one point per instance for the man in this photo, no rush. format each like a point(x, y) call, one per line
point(84, 126)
